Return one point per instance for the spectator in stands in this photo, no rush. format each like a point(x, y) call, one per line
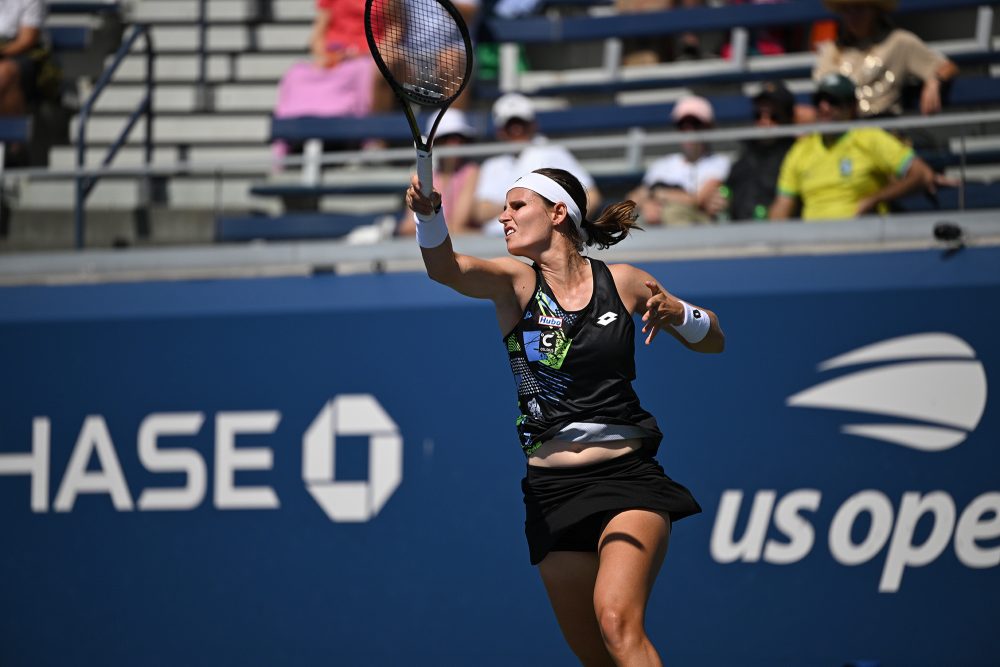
point(846, 174)
point(767, 41)
point(754, 175)
point(654, 49)
point(455, 176)
point(882, 59)
point(341, 79)
point(514, 120)
point(644, 50)
point(28, 73)
point(684, 188)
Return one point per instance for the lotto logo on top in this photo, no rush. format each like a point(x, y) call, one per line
point(926, 393)
point(94, 465)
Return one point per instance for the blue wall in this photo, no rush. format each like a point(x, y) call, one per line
point(434, 571)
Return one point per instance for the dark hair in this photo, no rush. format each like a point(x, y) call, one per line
point(612, 225)
point(884, 25)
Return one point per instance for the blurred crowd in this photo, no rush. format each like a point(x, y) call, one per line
point(865, 67)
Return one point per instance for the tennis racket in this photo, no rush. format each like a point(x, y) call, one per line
point(423, 49)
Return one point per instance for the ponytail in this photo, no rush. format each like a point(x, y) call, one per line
point(613, 225)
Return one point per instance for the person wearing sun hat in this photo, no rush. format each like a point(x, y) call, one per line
point(882, 59)
point(683, 188)
point(846, 174)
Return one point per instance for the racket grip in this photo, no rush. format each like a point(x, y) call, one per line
point(425, 172)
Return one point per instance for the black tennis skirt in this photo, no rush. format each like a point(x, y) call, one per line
point(565, 508)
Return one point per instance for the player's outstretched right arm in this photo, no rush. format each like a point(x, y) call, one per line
point(472, 276)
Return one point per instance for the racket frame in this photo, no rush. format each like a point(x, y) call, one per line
point(422, 144)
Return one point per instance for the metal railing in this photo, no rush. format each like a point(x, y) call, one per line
point(87, 179)
point(625, 152)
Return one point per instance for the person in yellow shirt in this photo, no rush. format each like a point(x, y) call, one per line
point(844, 175)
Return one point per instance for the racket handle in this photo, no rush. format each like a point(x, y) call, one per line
point(425, 171)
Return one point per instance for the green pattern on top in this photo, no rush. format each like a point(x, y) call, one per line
point(556, 358)
point(545, 305)
point(513, 344)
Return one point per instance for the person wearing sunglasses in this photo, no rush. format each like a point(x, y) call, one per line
point(684, 188)
point(848, 173)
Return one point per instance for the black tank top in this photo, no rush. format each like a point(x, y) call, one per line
point(576, 366)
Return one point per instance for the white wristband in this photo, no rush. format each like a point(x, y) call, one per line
point(696, 324)
point(431, 229)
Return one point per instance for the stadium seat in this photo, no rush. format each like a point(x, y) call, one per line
point(557, 31)
point(976, 195)
point(14, 129)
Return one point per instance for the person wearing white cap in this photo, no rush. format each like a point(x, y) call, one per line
point(455, 176)
point(599, 508)
point(684, 188)
point(514, 120)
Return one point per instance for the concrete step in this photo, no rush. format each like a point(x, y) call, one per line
point(153, 11)
point(234, 159)
point(172, 68)
point(115, 195)
point(294, 10)
point(284, 37)
point(64, 157)
point(269, 37)
point(186, 38)
point(55, 229)
point(230, 193)
point(187, 193)
point(189, 129)
point(246, 97)
point(265, 66)
point(124, 97)
point(241, 67)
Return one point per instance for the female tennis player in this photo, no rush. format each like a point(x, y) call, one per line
point(599, 508)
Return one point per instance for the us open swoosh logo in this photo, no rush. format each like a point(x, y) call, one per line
point(931, 378)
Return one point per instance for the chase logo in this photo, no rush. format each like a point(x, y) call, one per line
point(351, 500)
point(930, 383)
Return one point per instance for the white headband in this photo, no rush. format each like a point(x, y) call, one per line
point(552, 191)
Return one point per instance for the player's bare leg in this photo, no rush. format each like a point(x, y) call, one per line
point(631, 551)
point(569, 578)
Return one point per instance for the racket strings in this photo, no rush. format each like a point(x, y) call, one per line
point(422, 45)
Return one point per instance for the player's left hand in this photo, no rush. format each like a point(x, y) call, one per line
point(662, 309)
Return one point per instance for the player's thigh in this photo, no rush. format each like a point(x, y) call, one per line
point(631, 552)
point(569, 578)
